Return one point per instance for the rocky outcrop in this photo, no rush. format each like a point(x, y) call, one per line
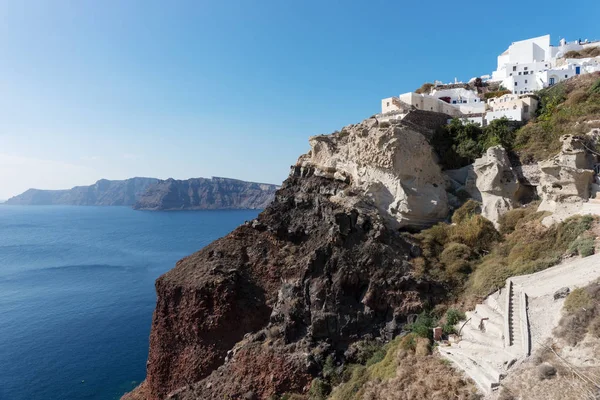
point(206, 194)
point(257, 312)
point(490, 180)
point(394, 165)
point(565, 180)
point(102, 193)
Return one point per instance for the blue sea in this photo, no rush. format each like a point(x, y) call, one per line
point(77, 293)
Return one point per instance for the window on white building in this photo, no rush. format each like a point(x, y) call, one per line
point(525, 80)
point(525, 68)
point(519, 72)
point(565, 75)
point(516, 83)
point(388, 104)
point(514, 68)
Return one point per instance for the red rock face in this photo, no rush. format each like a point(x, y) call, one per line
point(204, 307)
point(255, 313)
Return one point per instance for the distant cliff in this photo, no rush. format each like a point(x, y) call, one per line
point(102, 193)
point(206, 194)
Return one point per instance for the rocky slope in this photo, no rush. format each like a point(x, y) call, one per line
point(102, 193)
point(205, 194)
point(256, 313)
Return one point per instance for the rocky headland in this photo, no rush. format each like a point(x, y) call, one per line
point(155, 194)
point(281, 308)
point(102, 193)
point(205, 194)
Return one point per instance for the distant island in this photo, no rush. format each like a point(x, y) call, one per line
point(156, 194)
point(205, 194)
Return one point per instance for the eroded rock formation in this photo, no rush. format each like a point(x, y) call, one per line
point(490, 180)
point(394, 165)
point(565, 180)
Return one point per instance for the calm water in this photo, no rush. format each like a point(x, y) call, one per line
point(77, 293)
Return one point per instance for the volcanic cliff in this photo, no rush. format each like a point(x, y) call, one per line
point(205, 194)
point(255, 313)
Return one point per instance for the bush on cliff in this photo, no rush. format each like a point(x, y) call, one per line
point(408, 371)
point(458, 144)
point(473, 259)
point(449, 250)
point(581, 314)
point(569, 107)
point(530, 247)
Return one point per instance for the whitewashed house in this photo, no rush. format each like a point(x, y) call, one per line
point(530, 65)
point(467, 101)
point(512, 106)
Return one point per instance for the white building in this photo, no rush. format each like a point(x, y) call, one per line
point(423, 102)
point(512, 106)
point(532, 64)
point(467, 101)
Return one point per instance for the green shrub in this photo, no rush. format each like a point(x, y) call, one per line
point(584, 246)
point(456, 258)
point(423, 326)
point(562, 109)
point(453, 316)
point(595, 88)
point(470, 208)
point(319, 390)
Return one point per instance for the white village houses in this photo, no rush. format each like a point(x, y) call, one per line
point(524, 68)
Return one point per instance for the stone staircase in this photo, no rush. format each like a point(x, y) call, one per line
point(492, 338)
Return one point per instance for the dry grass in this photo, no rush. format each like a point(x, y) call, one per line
point(581, 314)
point(529, 248)
point(408, 371)
point(547, 376)
point(583, 53)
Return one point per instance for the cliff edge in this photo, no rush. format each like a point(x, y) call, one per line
point(256, 313)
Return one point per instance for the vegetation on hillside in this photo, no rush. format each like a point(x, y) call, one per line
point(473, 259)
point(496, 93)
point(567, 107)
point(458, 144)
point(408, 371)
point(572, 106)
point(425, 88)
point(583, 53)
point(581, 314)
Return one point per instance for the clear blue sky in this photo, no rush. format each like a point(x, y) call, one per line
point(118, 88)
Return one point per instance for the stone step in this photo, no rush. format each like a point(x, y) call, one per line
point(494, 302)
point(490, 326)
point(492, 362)
point(485, 382)
point(488, 338)
point(484, 311)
